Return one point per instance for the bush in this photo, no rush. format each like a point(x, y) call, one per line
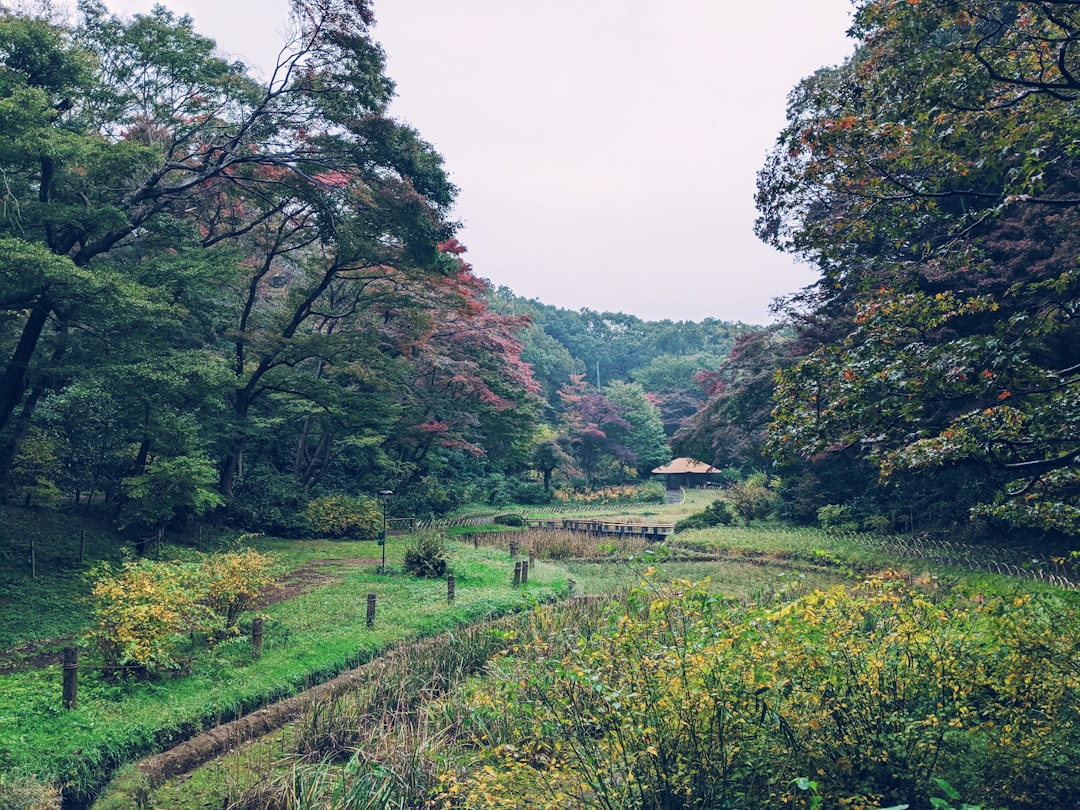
point(338, 516)
point(233, 582)
point(718, 513)
point(426, 557)
point(143, 612)
point(649, 492)
point(752, 499)
point(836, 516)
point(881, 692)
point(509, 520)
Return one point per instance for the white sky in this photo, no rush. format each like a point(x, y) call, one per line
point(605, 150)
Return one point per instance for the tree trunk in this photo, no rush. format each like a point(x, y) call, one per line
point(13, 381)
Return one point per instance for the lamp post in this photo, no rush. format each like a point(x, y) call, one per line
point(384, 496)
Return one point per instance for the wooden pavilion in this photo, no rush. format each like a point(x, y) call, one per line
point(686, 472)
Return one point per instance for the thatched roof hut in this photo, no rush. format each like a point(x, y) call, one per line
point(686, 472)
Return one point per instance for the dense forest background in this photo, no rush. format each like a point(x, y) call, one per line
point(227, 296)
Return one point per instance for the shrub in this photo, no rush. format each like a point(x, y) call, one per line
point(345, 516)
point(882, 692)
point(836, 516)
point(717, 513)
point(649, 492)
point(144, 610)
point(509, 520)
point(426, 557)
point(233, 582)
point(878, 524)
point(752, 499)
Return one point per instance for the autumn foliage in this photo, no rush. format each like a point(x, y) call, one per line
point(873, 692)
point(145, 612)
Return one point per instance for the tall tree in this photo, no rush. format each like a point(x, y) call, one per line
point(932, 179)
point(645, 437)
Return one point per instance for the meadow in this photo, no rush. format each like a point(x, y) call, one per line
point(738, 666)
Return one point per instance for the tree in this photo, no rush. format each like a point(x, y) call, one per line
point(169, 488)
point(730, 429)
point(931, 178)
point(129, 131)
point(645, 437)
point(593, 426)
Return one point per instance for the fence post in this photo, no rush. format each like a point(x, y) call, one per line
point(71, 677)
point(82, 546)
point(517, 574)
point(33, 558)
point(532, 559)
point(256, 637)
point(476, 541)
point(371, 610)
point(451, 587)
point(513, 549)
point(570, 583)
point(524, 572)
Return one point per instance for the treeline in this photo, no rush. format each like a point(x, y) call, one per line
point(227, 295)
point(931, 377)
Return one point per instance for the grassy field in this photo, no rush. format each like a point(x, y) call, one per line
point(320, 630)
point(312, 636)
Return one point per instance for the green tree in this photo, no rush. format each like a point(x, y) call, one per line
point(169, 488)
point(645, 436)
point(932, 180)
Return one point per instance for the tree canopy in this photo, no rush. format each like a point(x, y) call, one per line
point(932, 180)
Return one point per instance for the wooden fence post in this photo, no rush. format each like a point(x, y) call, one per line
point(532, 559)
point(476, 541)
point(82, 546)
point(517, 574)
point(513, 549)
point(256, 637)
point(71, 677)
point(33, 559)
point(451, 587)
point(371, 610)
point(570, 583)
point(524, 572)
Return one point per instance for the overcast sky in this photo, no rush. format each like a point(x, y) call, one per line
point(605, 150)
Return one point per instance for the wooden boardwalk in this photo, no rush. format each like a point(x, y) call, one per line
point(604, 528)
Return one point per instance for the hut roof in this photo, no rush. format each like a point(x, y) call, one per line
point(685, 465)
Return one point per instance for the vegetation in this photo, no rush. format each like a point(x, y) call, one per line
point(681, 699)
point(931, 180)
point(185, 685)
point(231, 306)
point(887, 690)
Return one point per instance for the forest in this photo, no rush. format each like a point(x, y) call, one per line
point(229, 298)
point(224, 297)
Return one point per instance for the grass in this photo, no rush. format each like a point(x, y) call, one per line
point(316, 635)
point(308, 639)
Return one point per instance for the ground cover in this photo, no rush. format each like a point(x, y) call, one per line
point(309, 638)
point(888, 690)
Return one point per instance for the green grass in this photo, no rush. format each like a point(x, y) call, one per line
point(308, 639)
